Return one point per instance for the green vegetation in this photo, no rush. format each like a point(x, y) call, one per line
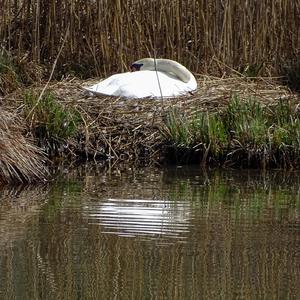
point(51, 123)
point(92, 38)
point(246, 133)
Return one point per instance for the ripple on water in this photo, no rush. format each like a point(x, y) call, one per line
point(141, 218)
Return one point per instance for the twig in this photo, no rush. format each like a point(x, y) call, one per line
point(52, 71)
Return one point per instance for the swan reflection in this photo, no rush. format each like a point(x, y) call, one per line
point(139, 217)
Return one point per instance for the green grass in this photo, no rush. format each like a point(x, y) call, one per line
point(202, 130)
point(246, 133)
point(51, 123)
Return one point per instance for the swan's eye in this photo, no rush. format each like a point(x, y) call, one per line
point(135, 67)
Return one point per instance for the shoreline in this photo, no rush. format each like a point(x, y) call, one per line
point(127, 130)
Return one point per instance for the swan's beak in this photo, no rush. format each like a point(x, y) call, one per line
point(133, 69)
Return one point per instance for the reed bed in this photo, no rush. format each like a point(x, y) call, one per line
point(102, 37)
point(20, 160)
point(128, 130)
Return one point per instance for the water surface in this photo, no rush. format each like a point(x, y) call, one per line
point(177, 233)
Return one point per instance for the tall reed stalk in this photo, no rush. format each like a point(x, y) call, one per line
point(105, 36)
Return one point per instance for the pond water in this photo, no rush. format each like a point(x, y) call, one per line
point(172, 233)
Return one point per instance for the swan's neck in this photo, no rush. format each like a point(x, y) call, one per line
point(171, 66)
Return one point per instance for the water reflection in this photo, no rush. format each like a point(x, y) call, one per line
point(178, 233)
point(17, 207)
point(141, 217)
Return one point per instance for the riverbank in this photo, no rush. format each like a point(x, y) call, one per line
point(69, 124)
point(21, 161)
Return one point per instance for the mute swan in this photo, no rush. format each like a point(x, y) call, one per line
point(154, 78)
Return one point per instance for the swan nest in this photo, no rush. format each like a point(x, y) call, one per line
point(128, 129)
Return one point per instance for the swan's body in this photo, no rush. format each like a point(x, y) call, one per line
point(154, 78)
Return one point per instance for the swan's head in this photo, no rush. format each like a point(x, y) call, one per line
point(143, 64)
point(166, 66)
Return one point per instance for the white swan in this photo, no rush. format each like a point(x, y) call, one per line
point(155, 78)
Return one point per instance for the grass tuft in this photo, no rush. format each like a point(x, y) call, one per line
point(51, 123)
point(245, 133)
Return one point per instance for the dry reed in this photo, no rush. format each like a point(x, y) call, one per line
point(105, 36)
point(20, 160)
point(129, 130)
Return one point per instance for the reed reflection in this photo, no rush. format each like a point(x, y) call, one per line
point(169, 234)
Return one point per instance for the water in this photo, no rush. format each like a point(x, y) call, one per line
point(178, 233)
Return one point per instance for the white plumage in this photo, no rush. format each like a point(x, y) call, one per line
point(153, 78)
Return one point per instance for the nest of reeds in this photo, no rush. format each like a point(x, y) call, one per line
point(130, 129)
point(20, 160)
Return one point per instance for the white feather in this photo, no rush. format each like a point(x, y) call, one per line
point(164, 81)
